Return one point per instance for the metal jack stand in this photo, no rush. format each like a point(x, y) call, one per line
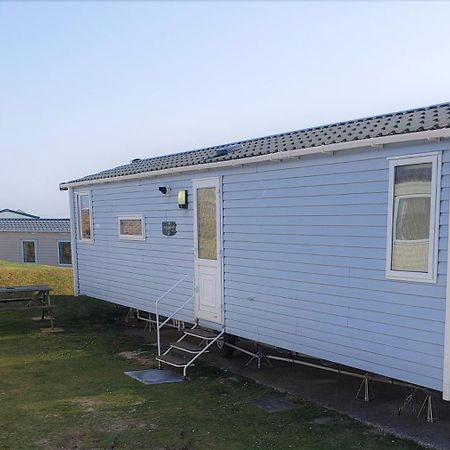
point(149, 324)
point(364, 387)
point(259, 357)
point(130, 315)
point(410, 401)
point(428, 404)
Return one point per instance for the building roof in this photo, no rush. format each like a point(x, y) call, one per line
point(35, 225)
point(414, 120)
point(11, 214)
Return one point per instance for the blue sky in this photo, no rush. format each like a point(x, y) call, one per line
point(87, 86)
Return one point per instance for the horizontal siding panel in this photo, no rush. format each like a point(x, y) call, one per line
point(304, 260)
point(260, 226)
point(104, 293)
point(333, 210)
point(250, 257)
point(287, 234)
point(277, 216)
point(287, 182)
point(337, 286)
point(272, 245)
point(248, 332)
point(300, 201)
point(361, 355)
point(411, 306)
point(306, 329)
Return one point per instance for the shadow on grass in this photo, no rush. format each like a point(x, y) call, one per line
point(68, 390)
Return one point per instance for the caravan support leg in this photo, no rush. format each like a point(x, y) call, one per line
point(428, 404)
point(364, 387)
point(410, 401)
point(259, 357)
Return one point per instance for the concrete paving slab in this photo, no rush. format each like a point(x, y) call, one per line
point(275, 404)
point(338, 393)
point(155, 376)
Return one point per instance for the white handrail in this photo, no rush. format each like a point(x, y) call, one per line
point(158, 325)
point(170, 289)
point(203, 351)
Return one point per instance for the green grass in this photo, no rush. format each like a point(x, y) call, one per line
point(68, 390)
point(58, 278)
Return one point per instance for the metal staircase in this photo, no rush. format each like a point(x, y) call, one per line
point(183, 353)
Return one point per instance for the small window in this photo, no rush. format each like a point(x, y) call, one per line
point(29, 251)
point(413, 203)
point(64, 253)
point(84, 217)
point(131, 227)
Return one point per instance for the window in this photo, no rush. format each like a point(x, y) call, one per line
point(29, 251)
point(207, 223)
point(131, 227)
point(84, 217)
point(413, 217)
point(64, 253)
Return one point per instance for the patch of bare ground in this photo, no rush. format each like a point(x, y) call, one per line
point(185, 447)
point(142, 357)
point(72, 442)
point(228, 379)
point(121, 425)
point(88, 404)
point(324, 420)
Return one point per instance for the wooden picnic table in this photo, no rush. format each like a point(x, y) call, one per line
point(27, 297)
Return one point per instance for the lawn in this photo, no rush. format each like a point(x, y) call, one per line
point(68, 390)
point(58, 278)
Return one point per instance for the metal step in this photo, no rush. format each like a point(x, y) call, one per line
point(202, 334)
point(186, 347)
point(172, 360)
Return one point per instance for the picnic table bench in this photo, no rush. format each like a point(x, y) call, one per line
point(27, 297)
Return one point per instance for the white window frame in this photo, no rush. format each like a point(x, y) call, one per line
point(79, 225)
point(65, 241)
point(128, 237)
point(435, 159)
point(35, 251)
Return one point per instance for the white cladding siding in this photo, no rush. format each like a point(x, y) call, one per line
point(304, 260)
point(305, 257)
point(46, 246)
point(135, 273)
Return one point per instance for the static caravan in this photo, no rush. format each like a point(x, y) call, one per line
point(32, 240)
point(330, 242)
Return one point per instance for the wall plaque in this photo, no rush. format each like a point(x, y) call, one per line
point(169, 228)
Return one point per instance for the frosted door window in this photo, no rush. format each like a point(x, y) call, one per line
point(206, 223)
point(412, 215)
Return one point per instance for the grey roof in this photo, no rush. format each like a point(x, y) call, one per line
point(18, 212)
point(413, 120)
point(36, 225)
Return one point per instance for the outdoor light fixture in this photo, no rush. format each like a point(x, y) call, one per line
point(165, 190)
point(182, 199)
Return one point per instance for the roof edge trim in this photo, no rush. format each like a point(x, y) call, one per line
point(429, 135)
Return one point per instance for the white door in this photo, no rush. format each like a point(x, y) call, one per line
point(207, 251)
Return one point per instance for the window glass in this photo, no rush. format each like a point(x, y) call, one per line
point(131, 227)
point(85, 216)
point(64, 253)
point(412, 216)
point(29, 251)
point(206, 223)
